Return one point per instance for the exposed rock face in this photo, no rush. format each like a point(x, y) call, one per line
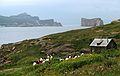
point(49, 22)
point(91, 22)
point(25, 20)
point(115, 21)
point(43, 44)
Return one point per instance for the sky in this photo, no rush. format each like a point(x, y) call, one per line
point(68, 12)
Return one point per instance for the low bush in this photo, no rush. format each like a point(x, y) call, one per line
point(110, 62)
point(117, 36)
point(111, 53)
point(6, 66)
point(73, 64)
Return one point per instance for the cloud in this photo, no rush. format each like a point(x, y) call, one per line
point(28, 2)
point(14, 2)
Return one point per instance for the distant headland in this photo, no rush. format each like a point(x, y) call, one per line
point(26, 20)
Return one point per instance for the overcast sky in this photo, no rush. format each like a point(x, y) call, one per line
point(68, 12)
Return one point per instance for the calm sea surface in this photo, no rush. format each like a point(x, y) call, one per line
point(15, 34)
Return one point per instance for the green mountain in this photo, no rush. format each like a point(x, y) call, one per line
point(16, 59)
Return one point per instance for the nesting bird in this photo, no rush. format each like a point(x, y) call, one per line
point(70, 57)
point(34, 63)
point(75, 57)
point(47, 60)
point(61, 59)
point(66, 58)
point(51, 57)
point(41, 59)
point(82, 53)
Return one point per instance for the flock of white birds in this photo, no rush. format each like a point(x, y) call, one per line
point(49, 58)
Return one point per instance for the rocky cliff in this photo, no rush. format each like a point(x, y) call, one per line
point(25, 20)
point(91, 22)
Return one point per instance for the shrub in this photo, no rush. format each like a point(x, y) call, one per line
point(79, 44)
point(110, 62)
point(117, 36)
point(54, 60)
point(6, 66)
point(72, 64)
point(111, 53)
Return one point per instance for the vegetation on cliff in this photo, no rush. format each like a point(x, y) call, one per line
point(16, 58)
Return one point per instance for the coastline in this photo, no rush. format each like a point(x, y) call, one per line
point(37, 32)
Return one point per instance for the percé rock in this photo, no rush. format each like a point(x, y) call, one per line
point(91, 22)
point(25, 20)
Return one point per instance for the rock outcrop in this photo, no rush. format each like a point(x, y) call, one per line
point(115, 21)
point(91, 22)
point(25, 20)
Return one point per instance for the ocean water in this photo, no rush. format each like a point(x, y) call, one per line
point(15, 34)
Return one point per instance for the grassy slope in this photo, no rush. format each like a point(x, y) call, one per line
point(105, 64)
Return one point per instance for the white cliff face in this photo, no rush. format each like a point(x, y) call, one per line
point(91, 22)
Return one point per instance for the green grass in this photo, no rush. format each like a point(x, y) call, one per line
point(73, 64)
point(106, 63)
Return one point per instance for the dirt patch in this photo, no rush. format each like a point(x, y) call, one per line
point(99, 30)
point(115, 32)
point(10, 69)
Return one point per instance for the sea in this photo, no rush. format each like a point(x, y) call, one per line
point(16, 34)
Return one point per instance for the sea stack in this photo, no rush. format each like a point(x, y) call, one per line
point(91, 22)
